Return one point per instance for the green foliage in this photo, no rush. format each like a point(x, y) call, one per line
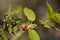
point(29, 14)
point(10, 29)
point(17, 20)
point(3, 35)
point(45, 24)
point(56, 18)
point(49, 9)
point(53, 16)
point(57, 29)
point(33, 35)
point(11, 19)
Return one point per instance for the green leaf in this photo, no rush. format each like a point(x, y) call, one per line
point(50, 12)
point(33, 35)
point(10, 29)
point(29, 14)
point(3, 35)
point(17, 19)
point(46, 25)
point(56, 18)
point(18, 9)
point(11, 12)
point(56, 11)
point(57, 29)
point(49, 9)
point(8, 13)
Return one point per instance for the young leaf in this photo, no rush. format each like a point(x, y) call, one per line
point(45, 24)
point(17, 19)
point(56, 18)
point(29, 14)
point(8, 13)
point(10, 29)
point(33, 35)
point(57, 29)
point(3, 35)
point(50, 12)
point(49, 9)
point(53, 16)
